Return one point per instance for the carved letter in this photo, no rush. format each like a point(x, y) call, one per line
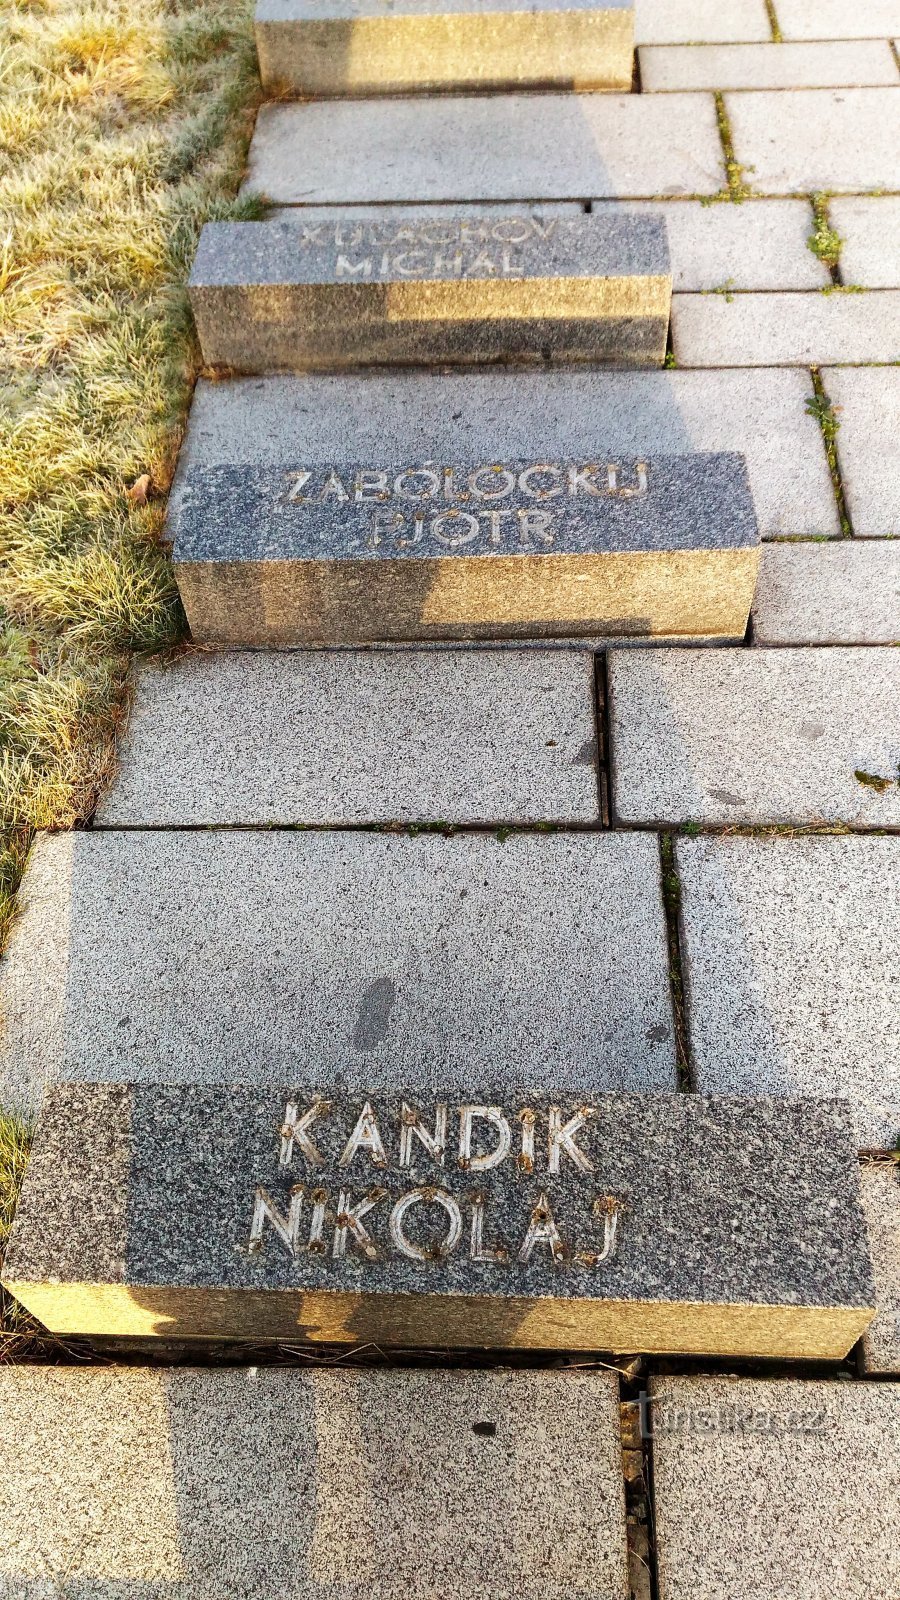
point(411, 1124)
point(293, 1132)
point(563, 1138)
point(535, 525)
point(500, 483)
point(431, 484)
point(495, 532)
point(371, 486)
point(287, 1228)
point(493, 1115)
point(467, 524)
point(478, 1251)
point(417, 1197)
point(583, 478)
point(346, 268)
point(301, 479)
point(527, 1119)
point(542, 1230)
point(348, 1219)
point(365, 1136)
point(333, 485)
point(540, 494)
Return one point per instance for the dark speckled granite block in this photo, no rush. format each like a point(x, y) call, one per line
point(657, 1223)
point(287, 296)
point(344, 553)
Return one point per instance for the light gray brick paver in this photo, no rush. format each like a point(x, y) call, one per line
point(840, 593)
point(759, 245)
point(254, 1485)
point(685, 21)
point(488, 415)
point(810, 139)
point(488, 147)
point(356, 737)
point(838, 19)
point(867, 404)
point(881, 1203)
point(870, 229)
point(792, 958)
point(668, 68)
point(769, 330)
point(776, 1489)
point(755, 736)
point(244, 956)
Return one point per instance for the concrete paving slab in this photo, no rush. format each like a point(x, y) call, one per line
point(233, 956)
point(362, 737)
point(771, 330)
point(811, 139)
point(251, 1485)
point(881, 1203)
point(869, 226)
point(840, 593)
point(758, 245)
point(792, 959)
point(470, 416)
point(838, 19)
point(488, 147)
point(784, 1487)
point(667, 68)
point(717, 21)
point(759, 737)
point(867, 404)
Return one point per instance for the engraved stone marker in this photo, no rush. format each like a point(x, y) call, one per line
point(666, 1223)
point(343, 553)
point(321, 47)
point(293, 295)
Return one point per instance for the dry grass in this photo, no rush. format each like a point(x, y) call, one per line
point(18, 1330)
point(123, 127)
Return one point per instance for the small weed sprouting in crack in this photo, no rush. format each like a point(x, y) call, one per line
point(873, 780)
point(819, 406)
point(737, 188)
point(824, 241)
point(777, 36)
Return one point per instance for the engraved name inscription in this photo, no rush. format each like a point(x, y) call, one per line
point(441, 247)
point(450, 1207)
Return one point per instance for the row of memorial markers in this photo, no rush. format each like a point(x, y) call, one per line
point(644, 1224)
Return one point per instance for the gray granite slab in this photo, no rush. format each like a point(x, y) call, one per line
point(770, 330)
point(380, 47)
point(792, 961)
point(637, 1223)
point(761, 244)
point(841, 593)
point(866, 401)
point(869, 226)
point(716, 21)
point(485, 147)
point(765, 737)
point(785, 1487)
point(838, 19)
point(344, 552)
point(817, 139)
point(231, 956)
point(488, 415)
point(358, 737)
point(824, 64)
point(881, 1204)
point(132, 1484)
point(292, 295)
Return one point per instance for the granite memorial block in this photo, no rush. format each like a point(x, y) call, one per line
point(342, 47)
point(661, 1223)
point(289, 295)
point(346, 553)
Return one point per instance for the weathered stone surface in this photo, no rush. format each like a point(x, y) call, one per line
point(867, 407)
point(358, 737)
point(759, 245)
point(282, 296)
point(486, 147)
point(756, 736)
point(829, 139)
point(838, 19)
point(649, 1223)
point(792, 952)
point(229, 957)
point(841, 593)
point(488, 415)
point(377, 46)
point(881, 1204)
point(760, 330)
point(869, 226)
point(321, 1485)
point(345, 553)
point(766, 66)
point(776, 1487)
point(661, 22)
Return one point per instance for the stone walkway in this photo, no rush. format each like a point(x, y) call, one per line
point(602, 863)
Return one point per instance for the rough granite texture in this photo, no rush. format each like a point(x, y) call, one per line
point(759, 737)
point(867, 404)
point(766, 66)
point(841, 593)
point(766, 1488)
point(838, 19)
point(870, 232)
point(127, 1484)
point(717, 21)
point(881, 1204)
point(237, 957)
point(289, 295)
point(729, 1206)
point(758, 245)
point(502, 147)
point(792, 961)
point(829, 139)
point(770, 330)
point(350, 738)
point(475, 416)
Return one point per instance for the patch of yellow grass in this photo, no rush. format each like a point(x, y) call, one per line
point(123, 127)
point(18, 1329)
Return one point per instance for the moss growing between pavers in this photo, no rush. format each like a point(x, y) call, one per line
point(738, 189)
point(819, 406)
point(124, 129)
point(824, 241)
